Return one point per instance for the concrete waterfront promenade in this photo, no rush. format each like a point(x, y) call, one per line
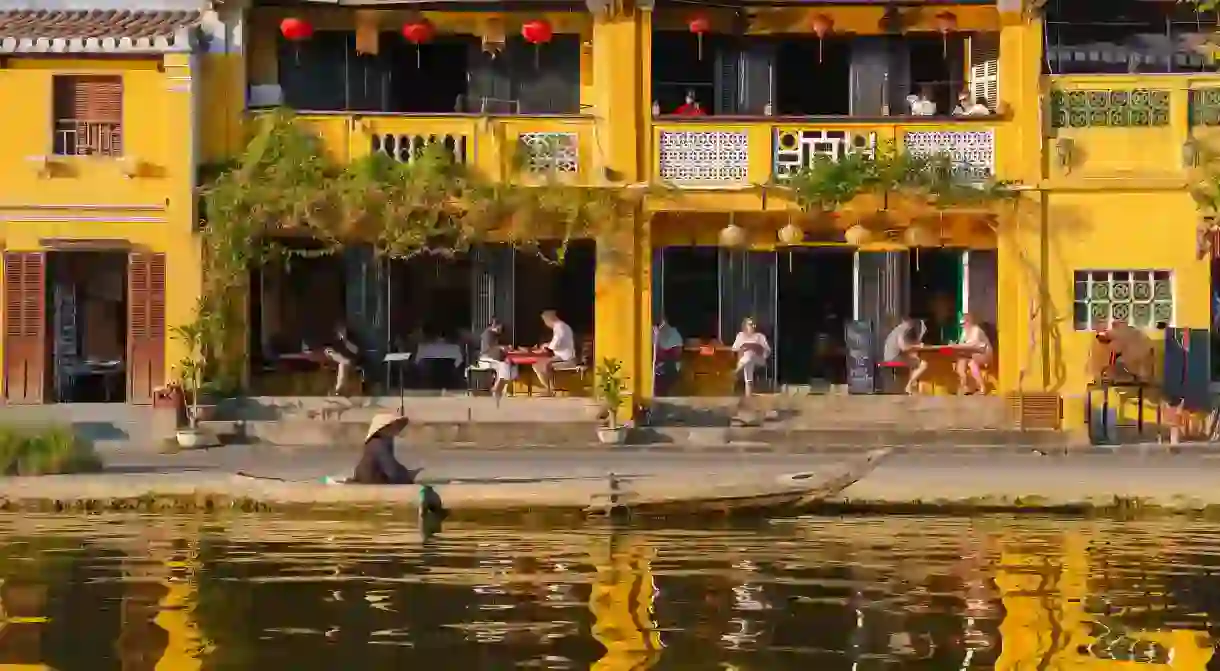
point(933, 480)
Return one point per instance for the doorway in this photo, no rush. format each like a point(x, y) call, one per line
point(936, 292)
point(87, 319)
point(815, 300)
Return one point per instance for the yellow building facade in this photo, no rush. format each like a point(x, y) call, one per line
point(1102, 164)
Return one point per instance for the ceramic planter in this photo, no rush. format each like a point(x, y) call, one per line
point(612, 435)
point(194, 438)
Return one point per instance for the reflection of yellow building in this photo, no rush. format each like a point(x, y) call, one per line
point(622, 602)
point(1046, 626)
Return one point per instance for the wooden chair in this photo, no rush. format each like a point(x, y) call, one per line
point(580, 367)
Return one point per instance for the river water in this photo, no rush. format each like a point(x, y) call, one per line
point(265, 593)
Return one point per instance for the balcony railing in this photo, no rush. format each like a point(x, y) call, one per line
point(719, 152)
point(560, 145)
point(76, 137)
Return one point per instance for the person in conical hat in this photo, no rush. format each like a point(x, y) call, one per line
point(377, 465)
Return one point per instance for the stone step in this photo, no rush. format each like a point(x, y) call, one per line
point(421, 409)
point(305, 432)
point(316, 433)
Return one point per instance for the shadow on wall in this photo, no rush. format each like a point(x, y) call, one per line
point(1063, 222)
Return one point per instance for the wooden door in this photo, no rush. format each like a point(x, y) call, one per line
point(145, 326)
point(25, 333)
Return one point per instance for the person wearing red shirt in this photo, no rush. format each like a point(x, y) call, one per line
point(691, 107)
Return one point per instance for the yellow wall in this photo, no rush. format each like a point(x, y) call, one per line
point(90, 197)
point(1120, 204)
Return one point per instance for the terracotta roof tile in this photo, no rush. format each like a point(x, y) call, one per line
point(116, 24)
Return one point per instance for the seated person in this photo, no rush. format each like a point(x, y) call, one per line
point(377, 465)
point(667, 343)
point(752, 351)
point(974, 361)
point(899, 346)
point(494, 355)
point(691, 106)
point(345, 353)
point(561, 350)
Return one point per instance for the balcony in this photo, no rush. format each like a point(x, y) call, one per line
point(77, 137)
point(718, 153)
point(1106, 127)
point(561, 145)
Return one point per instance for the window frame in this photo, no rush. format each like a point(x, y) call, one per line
point(60, 116)
point(1084, 277)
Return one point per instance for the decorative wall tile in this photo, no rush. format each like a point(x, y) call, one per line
point(550, 152)
point(1117, 108)
point(972, 151)
point(1205, 107)
point(703, 156)
point(407, 147)
point(797, 148)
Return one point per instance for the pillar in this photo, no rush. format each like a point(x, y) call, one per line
point(619, 66)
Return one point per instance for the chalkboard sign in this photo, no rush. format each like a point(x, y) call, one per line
point(861, 366)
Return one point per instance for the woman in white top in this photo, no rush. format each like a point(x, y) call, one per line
point(752, 351)
point(974, 361)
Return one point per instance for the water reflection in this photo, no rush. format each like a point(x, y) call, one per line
point(179, 594)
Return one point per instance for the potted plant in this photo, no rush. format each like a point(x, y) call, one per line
point(190, 373)
point(610, 388)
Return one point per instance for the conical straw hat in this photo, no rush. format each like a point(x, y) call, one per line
point(382, 421)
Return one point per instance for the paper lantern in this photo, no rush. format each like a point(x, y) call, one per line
point(792, 234)
point(417, 33)
point(537, 33)
point(296, 30)
point(946, 22)
point(822, 26)
point(921, 236)
point(700, 25)
point(732, 236)
point(858, 235)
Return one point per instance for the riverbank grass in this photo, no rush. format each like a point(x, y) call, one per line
point(45, 450)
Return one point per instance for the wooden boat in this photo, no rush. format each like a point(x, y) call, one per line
point(765, 491)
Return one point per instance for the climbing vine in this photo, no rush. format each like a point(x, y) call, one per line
point(828, 183)
point(284, 183)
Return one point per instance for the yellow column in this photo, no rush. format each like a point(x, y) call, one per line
point(1020, 240)
point(618, 67)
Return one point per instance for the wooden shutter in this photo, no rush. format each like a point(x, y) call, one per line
point(493, 268)
point(145, 326)
point(985, 69)
point(89, 98)
point(25, 352)
point(882, 294)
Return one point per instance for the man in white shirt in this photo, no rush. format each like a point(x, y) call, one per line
point(561, 350)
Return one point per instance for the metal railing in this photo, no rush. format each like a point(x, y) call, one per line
point(77, 137)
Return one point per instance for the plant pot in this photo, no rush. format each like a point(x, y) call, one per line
point(612, 435)
point(194, 438)
point(204, 413)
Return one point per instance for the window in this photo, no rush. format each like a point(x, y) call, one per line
point(1142, 298)
point(88, 113)
point(1126, 36)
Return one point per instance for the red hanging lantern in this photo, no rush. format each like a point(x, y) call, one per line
point(417, 33)
point(822, 26)
point(296, 30)
point(946, 22)
point(537, 33)
point(700, 25)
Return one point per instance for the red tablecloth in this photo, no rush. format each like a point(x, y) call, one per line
point(524, 359)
